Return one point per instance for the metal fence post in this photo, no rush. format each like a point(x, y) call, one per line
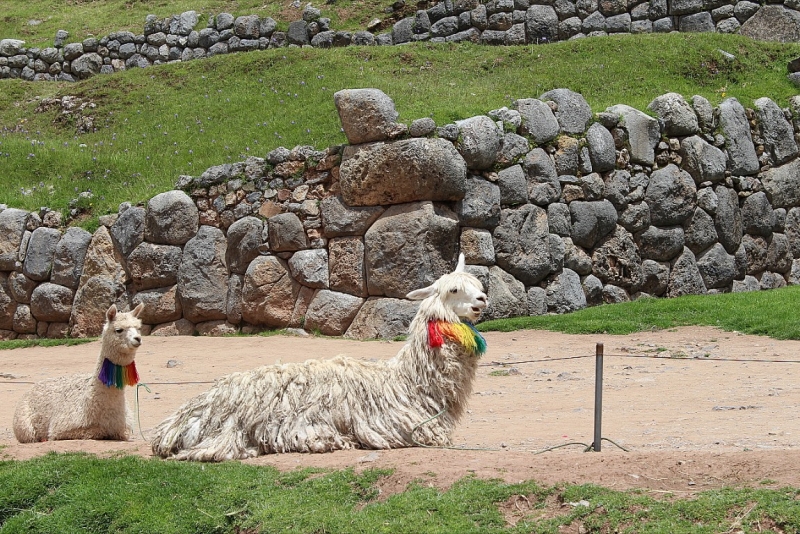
point(598, 397)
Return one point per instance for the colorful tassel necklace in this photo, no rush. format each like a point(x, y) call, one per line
point(463, 333)
point(118, 376)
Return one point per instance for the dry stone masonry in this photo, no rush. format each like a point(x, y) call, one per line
point(555, 207)
point(492, 22)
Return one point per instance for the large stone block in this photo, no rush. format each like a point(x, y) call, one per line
point(203, 276)
point(41, 250)
point(522, 243)
point(367, 115)
point(331, 313)
point(269, 293)
point(172, 218)
point(409, 247)
point(403, 171)
point(69, 256)
point(380, 318)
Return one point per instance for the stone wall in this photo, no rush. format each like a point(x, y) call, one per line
point(496, 22)
point(555, 207)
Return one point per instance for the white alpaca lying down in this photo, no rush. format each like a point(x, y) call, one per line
point(341, 403)
point(87, 406)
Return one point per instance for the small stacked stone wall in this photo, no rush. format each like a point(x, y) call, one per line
point(555, 207)
point(493, 22)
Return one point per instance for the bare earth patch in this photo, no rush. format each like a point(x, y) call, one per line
point(693, 423)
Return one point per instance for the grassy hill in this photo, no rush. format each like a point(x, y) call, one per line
point(152, 125)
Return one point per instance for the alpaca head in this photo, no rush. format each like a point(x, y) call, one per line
point(454, 296)
point(122, 335)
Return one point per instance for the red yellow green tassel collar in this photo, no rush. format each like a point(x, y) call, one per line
point(118, 376)
point(463, 333)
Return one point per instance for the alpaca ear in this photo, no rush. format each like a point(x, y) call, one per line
point(461, 263)
point(419, 294)
point(112, 312)
point(138, 309)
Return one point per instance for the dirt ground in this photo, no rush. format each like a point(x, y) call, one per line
point(690, 419)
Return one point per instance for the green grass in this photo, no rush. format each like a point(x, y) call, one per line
point(81, 493)
point(36, 21)
point(766, 313)
point(158, 123)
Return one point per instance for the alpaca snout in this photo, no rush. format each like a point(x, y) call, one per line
point(136, 341)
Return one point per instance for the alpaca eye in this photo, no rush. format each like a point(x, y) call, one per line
point(454, 290)
point(118, 330)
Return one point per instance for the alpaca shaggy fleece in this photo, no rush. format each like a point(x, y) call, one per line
point(415, 398)
point(87, 406)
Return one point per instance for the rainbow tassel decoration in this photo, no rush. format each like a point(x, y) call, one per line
point(463, 333)
point(118, 376)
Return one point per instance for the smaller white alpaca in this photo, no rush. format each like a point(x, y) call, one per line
point(415, 398)
point(87, 406)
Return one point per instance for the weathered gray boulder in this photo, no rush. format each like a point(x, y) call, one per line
point(380, 318)
point(367, 115)
point(538, 120)
point(234, 298)
point(103, 259)
point(700, 231)
point(775, 130)
point(247, 27)
point(782, 186)
point(480, 206)
point(749, 283)
point(755, 248)
point(591, 221)
point(513, 185)
point(773, 23)
point(338, 219)
point(181, 327)
point(779, 254)
point(310, 267)
point(346, 266)
point(728, 219)
point(331, 313)
point(660, 244)
point(479, 141)
point(86, 65)
point(184, 23)
point(543, 185)
point(403, 171)
point(127, 232)
point(717, 267)
point(636, 217)
point(51, 302)
point(161, 305)
point(615, 295)
point(12, 228)
point(69, 256)
point(559, 219)
point(670, 196)
point(792, 230)
point(541, 24)
point(592, 290)
point(573, 111)
point(7, 304)
point(770, 280)
point(537, 301)
point(19, 287)
point(506, 294)
point(685, 277)
point(703, 161)
point(91, 302)
point(203, 276)
point(617, 261)
point(758, 217)
point(707, 199)
point(286, 233)
point(23, 321)
point(676, 114)
point(567, 156)
point(409, 247)
point(11, 47)
point(269, 293)
point(522, 245)
point(575, 258)
point(565, 293)
point(152, 266)
point(172, 218)
point(617, 188)
point(643, 132)
point(41, 250)
point(244, 240)
point(655, 277)
point(742, 158)
point(601, 148)
point(477, 246)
